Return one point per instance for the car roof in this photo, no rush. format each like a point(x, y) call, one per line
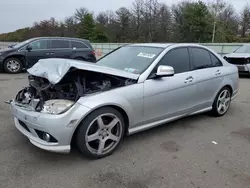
point(166, 45)
point(159, 45)
point(68, 38)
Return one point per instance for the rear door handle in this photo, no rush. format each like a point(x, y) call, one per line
point(217, 72)
point(189, 79)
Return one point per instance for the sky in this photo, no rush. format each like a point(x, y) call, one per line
point(16, 14)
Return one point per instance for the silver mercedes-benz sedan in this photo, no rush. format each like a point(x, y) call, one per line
point(133, 88)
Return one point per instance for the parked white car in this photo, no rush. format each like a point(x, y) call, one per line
point(240, 58)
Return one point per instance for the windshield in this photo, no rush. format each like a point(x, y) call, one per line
point(243, 49)
point(21, 44)
point(134, 59)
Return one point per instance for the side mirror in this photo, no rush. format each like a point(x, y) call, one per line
point(164, 70)
point(29, 48)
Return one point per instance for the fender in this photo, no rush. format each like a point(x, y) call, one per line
point(117, 97)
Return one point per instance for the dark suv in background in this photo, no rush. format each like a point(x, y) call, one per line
point(25, 54)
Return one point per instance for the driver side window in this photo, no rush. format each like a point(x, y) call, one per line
point(178, 59)
point(39, 45)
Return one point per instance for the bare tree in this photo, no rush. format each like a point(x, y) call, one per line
point(123, 23)
point(229, 20)
point(137, 11)
point(150, 16)
point(164, 24)
point(245, 20)
point(102, 18)
point(70, 26)
point(111, 27)
point(225, 21)
point(46, 28)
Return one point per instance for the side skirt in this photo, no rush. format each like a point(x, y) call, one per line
point(160, 122)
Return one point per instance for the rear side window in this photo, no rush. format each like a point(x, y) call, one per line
point(201, 58)
point(78, 45)
point(59, 44)
point(215, 61)
point(178, 59)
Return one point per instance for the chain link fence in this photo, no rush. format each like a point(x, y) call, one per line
point(6, 44)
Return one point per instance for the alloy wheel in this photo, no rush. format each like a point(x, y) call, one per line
point(103, 134)
point(13, 65)
point(223, 102)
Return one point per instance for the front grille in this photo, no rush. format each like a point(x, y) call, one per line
point(237, 61)
point(24, 125)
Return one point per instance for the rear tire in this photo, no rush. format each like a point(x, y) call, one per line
point(13, 65)
point(222, 102)
point(100, 133)
point(79, 58)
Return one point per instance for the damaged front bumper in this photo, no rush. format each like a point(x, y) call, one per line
point(37, 126)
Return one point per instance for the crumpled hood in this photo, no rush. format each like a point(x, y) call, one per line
point(238, 55)
point(54, 69)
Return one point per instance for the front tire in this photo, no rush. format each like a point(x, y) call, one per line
point(222, 102)
point(13, 65)
point(100, 133)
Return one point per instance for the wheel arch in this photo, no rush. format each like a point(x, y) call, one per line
point(223, 86)
point(230, 88)
point(79, 58)
point(117, 107)
point(20, 57)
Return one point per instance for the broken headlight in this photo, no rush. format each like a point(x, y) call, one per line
point(56, 106)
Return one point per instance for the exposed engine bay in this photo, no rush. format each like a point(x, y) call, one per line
point(75, 84)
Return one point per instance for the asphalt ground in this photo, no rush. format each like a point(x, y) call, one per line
point(195, 152)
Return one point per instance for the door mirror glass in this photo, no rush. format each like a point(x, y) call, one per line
point(164, 70)
point(29, 47)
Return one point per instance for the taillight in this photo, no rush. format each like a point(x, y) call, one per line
point(93, 52)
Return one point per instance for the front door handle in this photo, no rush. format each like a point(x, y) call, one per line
point(217, 72)
point(189, 79)
point(49, 53)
